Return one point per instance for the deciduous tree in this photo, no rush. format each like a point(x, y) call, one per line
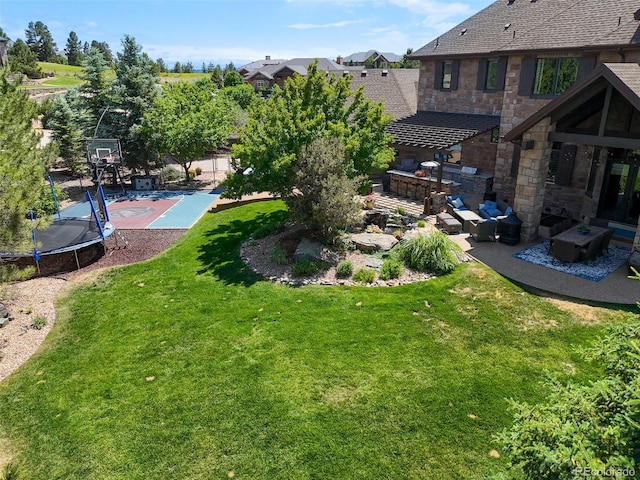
point(307, 108)
point(188, 119)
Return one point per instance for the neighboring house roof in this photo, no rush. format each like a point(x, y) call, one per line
point(509, 26)
point(397, 88)
point(624, 77)
point(258, 64)
point(439, 130)
point(362, 57)
point(298, 65)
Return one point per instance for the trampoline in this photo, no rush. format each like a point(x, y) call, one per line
point(81, 236)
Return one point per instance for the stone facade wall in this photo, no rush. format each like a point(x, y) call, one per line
point(465, 99)
point(479, 152)
point(532, 179)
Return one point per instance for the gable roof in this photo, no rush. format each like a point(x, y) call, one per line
point(397, 88)
point(509, 26)
point(258, 64)
point(361, 57)
point(624, 77)
point(298, 65)
point(439, 130)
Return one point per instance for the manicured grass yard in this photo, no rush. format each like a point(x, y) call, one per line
point(189, 366)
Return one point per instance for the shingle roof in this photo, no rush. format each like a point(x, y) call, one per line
point(398, 89)
point(526, 25)
point(360, 57)
point(260, 64)
point(624, 77)
point(440, 130)
point(299, 65)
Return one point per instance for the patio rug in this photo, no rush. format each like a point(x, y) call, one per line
point(594, 270)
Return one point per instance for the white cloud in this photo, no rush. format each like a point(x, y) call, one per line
point(308, 26)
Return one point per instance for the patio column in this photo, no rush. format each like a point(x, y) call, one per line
point(532, 178)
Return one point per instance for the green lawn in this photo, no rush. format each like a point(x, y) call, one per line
point(191, 367)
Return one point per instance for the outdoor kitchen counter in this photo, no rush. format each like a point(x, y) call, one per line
point(407, 184)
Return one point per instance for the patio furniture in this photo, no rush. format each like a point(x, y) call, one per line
point(565, 251)
point(466, 217)
point(599, 222)
point(580, 239)
point(606, 240)
point(448, 223)
point(483, 230)
point(592, 249)
point(633, 261)
point(494, 210)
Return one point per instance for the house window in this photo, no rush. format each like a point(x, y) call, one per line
point(555, 75)
point(262, 84)
point(553, 162)
point(447, 68)
point(491, 81)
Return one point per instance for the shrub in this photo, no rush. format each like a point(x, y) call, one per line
point(398, 234)
point(431, 253)
point(390, 269)
point(401, 211)
point(46, 204)
point(168, 174)
point(39, 323)
point(344, 269)
point(421, 224)
point(192, 174)
point(279, 256)
point(583, 429)
point(305, 268)
point(365, 275)
point(198, 171)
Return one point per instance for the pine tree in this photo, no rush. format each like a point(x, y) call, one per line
point(73, 50)
point(40, 41)
point(95, 91)
point(23, 60)
point(22, 165)
point(133, 93)
point(70, 122)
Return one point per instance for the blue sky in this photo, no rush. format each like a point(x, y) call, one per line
point(241, 31)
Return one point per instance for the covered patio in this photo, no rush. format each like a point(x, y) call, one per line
point(615, 287)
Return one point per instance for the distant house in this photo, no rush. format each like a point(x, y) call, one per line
point(258, 64)
point(543, 98)
point(4, 59)
point(372, 58)
point(275, 74)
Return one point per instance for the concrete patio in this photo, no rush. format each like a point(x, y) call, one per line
point(614, 288)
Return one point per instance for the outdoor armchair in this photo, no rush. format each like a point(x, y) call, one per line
point(565, 251)
point(483, 230)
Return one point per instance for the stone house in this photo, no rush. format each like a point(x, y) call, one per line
point(270, 74)
point(532, 94)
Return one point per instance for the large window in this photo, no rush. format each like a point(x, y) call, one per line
point(447, 68)
point(491, 81)
point(555, 75)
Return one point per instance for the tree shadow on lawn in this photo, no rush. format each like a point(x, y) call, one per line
point(220, 254)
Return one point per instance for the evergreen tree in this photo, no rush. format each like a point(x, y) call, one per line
point(23, 60)
point(187, 67)
point(86, 48)
point(22, 165)
point(104, 48)
point(162, 67)
point(406, 62)
point(70, 122)
point(40, 41)
point(95, 91)
point(177, 68)
point(217, 76)
point(204, 67)
point(73, 49)
point(133, 93)
point(210, 67)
